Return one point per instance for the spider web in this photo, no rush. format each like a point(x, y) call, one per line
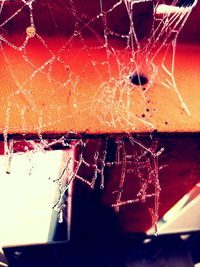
point(130, 65)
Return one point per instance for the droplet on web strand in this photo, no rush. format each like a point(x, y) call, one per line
point(30, 31)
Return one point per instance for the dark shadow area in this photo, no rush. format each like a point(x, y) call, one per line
point(127, 251)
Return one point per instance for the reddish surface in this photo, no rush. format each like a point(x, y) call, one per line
point(65, 109)
point(54, 109)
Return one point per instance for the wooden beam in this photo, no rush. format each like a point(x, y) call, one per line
point(84, 99)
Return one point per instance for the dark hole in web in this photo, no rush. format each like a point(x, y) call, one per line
point(139, 79)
